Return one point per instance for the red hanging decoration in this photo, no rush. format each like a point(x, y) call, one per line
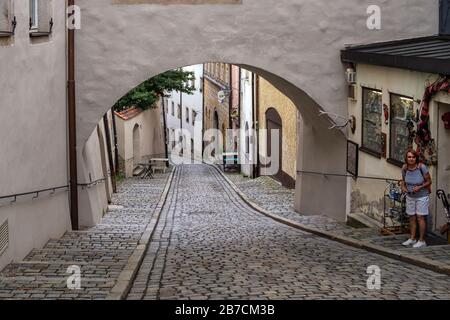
point(424, 141)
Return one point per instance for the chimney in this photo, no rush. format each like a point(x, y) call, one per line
point(444, 17)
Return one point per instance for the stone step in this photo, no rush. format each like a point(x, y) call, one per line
point(84, 257)
point(90, 245)
point(100, 236)
point(46, 288)
point(35, 270)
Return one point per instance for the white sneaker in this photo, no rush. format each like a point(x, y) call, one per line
point(420, 244)
point(409, 242)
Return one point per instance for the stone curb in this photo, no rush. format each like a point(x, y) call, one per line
point(422, 262)
point(126, 277)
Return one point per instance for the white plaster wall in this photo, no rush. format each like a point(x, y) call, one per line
point(33, 133)
point(93, 200)
point(151, 136)
point(297, 40)
point(300, 56)
point(193, 102)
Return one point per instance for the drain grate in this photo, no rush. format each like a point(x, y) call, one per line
point(4, 237)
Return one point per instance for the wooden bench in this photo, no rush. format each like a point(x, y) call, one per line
point(159, 164)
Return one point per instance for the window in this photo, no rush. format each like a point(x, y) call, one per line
point(372, 107)
point(401, 119)
point(247, 139)
point(173, 109)
point(179, 112)
point(194, 115)
point(41, 21)
point(34, 14)
point(187, 115)
point(7, 21)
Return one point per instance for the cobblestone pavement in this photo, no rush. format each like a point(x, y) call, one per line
point(271, 196)
point(209, 244)
point(100, 252)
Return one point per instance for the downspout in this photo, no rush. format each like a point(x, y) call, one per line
point(116, 149)
point(72, 125)
point(166, 142)
point(258, 164)
point(110, 156)
point(181, 122)
point(203, 112)
point(253, 125)
point(239, 117)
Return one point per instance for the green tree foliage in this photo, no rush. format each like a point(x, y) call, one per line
point(146, 94)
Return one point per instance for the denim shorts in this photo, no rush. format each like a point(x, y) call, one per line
point(417, 206)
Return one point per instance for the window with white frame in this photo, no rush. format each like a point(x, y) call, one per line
point(34, 14)
point(194, 114)
point(187, 115)
point(173, 109)
point(372, 107)
point(41, 21)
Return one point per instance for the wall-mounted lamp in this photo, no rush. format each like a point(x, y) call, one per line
point(351, 74)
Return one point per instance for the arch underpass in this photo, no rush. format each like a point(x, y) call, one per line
point(121, 44)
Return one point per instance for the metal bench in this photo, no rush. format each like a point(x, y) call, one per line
point(159, 164)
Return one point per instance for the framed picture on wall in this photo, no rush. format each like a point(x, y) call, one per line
point(352, 158)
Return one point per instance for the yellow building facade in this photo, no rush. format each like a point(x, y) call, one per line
point(275, 110)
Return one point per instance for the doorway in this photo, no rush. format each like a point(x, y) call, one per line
point(273, 122)
point(443, 167)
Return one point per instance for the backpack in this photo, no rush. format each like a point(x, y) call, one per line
point(421, 171)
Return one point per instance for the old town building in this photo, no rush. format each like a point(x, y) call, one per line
point(399, 98)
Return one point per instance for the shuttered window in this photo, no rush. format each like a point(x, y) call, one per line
point(6, 18)
point(41, 21)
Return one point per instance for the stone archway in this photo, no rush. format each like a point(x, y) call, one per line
point(116, 51)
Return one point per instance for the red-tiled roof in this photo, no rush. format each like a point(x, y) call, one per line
point(129, 113)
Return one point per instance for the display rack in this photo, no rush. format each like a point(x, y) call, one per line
point(395, 219)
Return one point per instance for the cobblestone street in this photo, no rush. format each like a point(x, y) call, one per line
point(209, 244)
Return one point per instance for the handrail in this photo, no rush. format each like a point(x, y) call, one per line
point(35, 193)
point(346, 175)
point(94, 183)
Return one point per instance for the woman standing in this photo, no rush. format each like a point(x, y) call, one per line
point(416, 182)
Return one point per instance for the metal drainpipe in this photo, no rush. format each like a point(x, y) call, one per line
point(239, 117)
point(166, 141)
point(181, 122)
point(203, 111)
point(258, 164)
point(110, 157)
point(72, 125)
point(116, 149)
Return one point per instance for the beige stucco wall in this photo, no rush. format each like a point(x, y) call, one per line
point(271, 97)
point(33, 134)
point(151, 137)
point(366, 196)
